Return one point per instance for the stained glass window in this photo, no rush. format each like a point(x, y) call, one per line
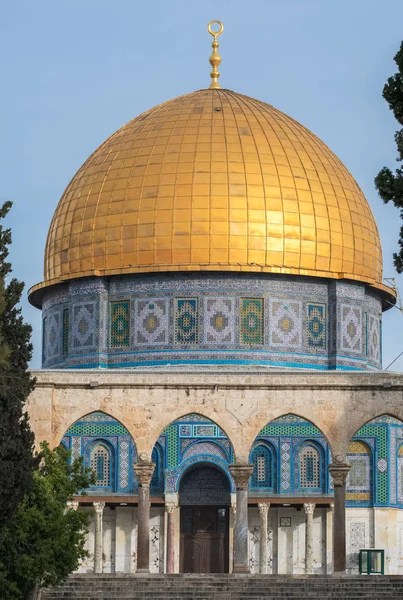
point(262, 476)
point(100, 463)
point(309, 468)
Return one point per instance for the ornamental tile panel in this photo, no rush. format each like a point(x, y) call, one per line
point(84, 325)
point(285, 323)
point(316, 326)
point(351, 328)
point(219, 321)
point(251, 321)
point(120, 324)
point(186, 321)
point(374, 338)
point(53, 334)
point(151, 321)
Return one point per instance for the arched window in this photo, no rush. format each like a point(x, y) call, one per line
point(262, 459)
point(100, 463)
point(157, 480)
point(309, 468)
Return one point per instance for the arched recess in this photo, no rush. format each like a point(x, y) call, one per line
point(310, 467)
point(190, 440)
point(286, 437)
point(359, 483)
point(264, 460)
point(100, 430)
point(383, 437)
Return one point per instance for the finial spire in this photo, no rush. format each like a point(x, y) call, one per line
point(215, 58)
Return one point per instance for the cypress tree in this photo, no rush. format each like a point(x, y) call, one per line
point(388, 184)
point(17, 460)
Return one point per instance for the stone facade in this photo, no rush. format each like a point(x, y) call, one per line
point(274, 420)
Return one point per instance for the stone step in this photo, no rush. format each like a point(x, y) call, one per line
point(226, 587)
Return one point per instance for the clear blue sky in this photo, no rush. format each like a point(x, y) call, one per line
point(74, 71)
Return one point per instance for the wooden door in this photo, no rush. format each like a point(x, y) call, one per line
point(204, 539)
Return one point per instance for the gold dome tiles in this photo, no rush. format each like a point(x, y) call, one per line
point(213, 181)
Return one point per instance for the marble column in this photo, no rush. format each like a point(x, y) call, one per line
point(263, 510)
point(309, 508)
point(72, 505)
point(241, 475)
point(144, 471)
point(98, 543)
point(339, 472)
point(171, 507)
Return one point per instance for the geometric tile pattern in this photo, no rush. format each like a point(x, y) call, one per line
point(285, 465)
point(205, 448)
point(316, 325)
point(186, 321)
point(124, 445)
point(251, 321)
point(219, 320)
point(53, 333)
point(296, 446)
point(151, 321)
point(374, 338)
point(286, 323)
point(65, 332)
point(120, 324)
point(106, 446)
point(84, 325)
point(44, 339)
point(351, 328)
point(224, 320)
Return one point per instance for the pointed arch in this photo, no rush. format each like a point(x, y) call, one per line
point(116, 448)
point(281, 442)
point(309, 467)
point(189, 440)
point(263, 456)
point(382, 436)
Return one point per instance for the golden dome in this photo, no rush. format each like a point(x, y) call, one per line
point(213, 180)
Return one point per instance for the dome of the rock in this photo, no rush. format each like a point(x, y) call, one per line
point(212, 229)
point(213, 180)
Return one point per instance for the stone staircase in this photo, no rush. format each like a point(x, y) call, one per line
point(226, 587)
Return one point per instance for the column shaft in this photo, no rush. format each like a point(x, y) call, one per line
point(144, 472)
point(98, 542)
point(263, 558)
point(241, 475)
point(171, 507)
point(309, 508)
point(339, 473)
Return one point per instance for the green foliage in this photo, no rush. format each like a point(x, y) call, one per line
point(16, 439)
point(388, 184)
point(44, 542)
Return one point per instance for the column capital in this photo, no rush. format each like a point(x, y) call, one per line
point(170, 507)
point(98, 507)
point(263, 507)
point(144, 471)
point(309, 507)
point(241, 475)
point(339, 472)
point(72, 504)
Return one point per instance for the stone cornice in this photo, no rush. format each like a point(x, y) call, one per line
point(216, 380)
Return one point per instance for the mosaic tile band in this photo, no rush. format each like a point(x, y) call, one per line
point(290, 456)
point(222, 319)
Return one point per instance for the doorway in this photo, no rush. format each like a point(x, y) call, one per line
point(204, 497)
